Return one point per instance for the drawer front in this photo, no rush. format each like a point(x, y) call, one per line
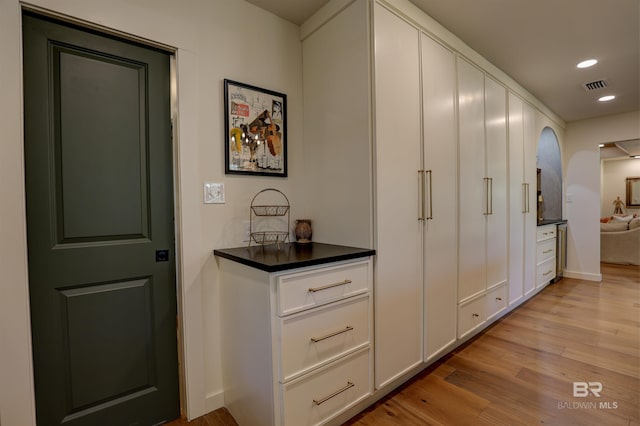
point(546, 271)
point(545, 250)
point(325, 393)
point(471, 315)
point(312, 338)
point(304, 290)
point(496, 301)
point(547, 231)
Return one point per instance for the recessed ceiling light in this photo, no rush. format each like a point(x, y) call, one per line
point(607, 98)
point(588, 63)
point(601, 145)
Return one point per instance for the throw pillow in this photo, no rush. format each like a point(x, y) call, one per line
point(613, 226)
point(625, 219)
point(635, 223)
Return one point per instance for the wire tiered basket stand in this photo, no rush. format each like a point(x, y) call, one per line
point(259, 214)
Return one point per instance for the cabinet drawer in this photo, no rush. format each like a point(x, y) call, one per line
point(547, 231)
point(496, 300)
point(304, 290)
point(471, 315)
point(314, 337)
point(327, 392)
point(546, 271)
point(545, 250)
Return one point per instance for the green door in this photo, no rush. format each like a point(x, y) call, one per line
point(99, 182)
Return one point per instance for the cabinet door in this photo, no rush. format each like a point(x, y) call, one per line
point(517, 202)
point(398, 284)
point(472, 250)
point(530, 220)
point(496, 149)
point(440, 151)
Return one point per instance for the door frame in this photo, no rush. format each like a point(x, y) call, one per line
point(173, 58)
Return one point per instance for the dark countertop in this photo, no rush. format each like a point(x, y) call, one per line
point(551, 222)
point(291, 255)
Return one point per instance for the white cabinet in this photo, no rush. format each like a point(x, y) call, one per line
point(296, 344)
point(417, 140)
point(545, 254)
point(472, 273)
point(496, 182)
point(483, 191)
point(522, 191)
point(416, 187)
point(398, 270)
point(440, 146)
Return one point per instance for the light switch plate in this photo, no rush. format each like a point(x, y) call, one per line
point(213, 193)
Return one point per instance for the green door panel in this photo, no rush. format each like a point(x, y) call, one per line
point(99, 182)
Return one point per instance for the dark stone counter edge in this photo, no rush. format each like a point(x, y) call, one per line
point(552, 222)
point(241, 255)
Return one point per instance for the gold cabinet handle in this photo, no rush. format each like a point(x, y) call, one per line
point(421, 195)
point(475, 315)
point(547, 251)
point(547, 273)
point(490, 195)
point(335, 333)
point(429, 174)
point(349, 385)
point(315, 289)
point(499, 299)
point(525, 197)
point(486, 196)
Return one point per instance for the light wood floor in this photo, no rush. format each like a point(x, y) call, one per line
point(522, 370)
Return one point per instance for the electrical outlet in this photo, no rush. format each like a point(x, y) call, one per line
point(213, 193)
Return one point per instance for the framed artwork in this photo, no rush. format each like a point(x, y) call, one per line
point(255, 126)
point(633, 192)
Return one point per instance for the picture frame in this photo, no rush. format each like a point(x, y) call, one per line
point(633, 192)
point(255, 126)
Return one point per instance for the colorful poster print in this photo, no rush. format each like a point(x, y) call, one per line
point(255, 130)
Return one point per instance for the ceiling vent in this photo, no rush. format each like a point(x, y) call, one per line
point(595, 85)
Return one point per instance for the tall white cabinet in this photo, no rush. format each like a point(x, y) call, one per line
point(482, 273)
point(416, 187)
point(440, 146)
point(522, 199)
point(398, 266)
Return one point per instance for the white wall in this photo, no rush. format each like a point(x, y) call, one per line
point(582, 186)
point(215, 39)
point(614, 184)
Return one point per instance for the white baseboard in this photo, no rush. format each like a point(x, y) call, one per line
point(582, 275)
point(214, 401)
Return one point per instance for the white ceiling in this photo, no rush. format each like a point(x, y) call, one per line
point(538, 43)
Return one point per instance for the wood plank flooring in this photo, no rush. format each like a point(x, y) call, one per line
point(522, 370)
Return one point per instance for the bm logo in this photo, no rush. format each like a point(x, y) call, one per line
point(583, 389)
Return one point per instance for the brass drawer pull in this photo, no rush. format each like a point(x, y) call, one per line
point(314, 289)
point(335, 333)
point(499, 299)
point(547, 273)
point(547, 251)
point(475, 315)
point(336, 393)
